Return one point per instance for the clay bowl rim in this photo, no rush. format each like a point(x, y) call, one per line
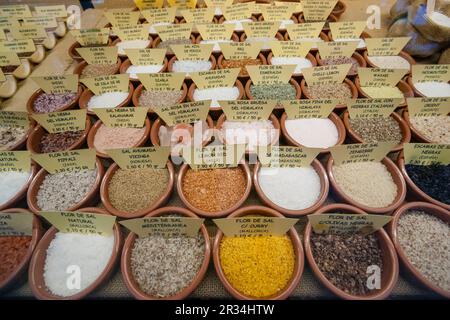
point(339, 9)
point(115, 42)
point(296, 243)
point(22, 193)
point(359, 58)
point(396, 175)
point(381, 235)
point(430, 209)
point(364, 35)
point(324, 190)
point(292, 81)
point(74, 54)
point(128, 278)
point(309, 56)
point(415, 132)
point(172, 60)
point(34, 272)
point(332, 116)
point(23, 141)
point(104, 188)
point(402, 54)
point(138, 91)
point(31, 145)
point(72, 104)
point(341, 106)
point(87, 198)
point(260, 56)
point(98, 124)
point(234, 37)
point(278, 37)
point(88, 94)
point(127, 63)
point(237, 83)
point(414, 188)
point(81, 65)
point(404, 128)
point(11, 280)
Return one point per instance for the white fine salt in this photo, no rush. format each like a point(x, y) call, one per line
point(191, 66)
point(152, 68)
point(216, 94)
point(440, 18)
point(390, 62)
point(254, 133)
point(216, 43)
point(265, 41)
point(433, 88)
point(237, 23)
point(10, 183)
point(361, 42)
point(87, 253)
point(290, 188)
point(131, 44)
point(107, 100)
point(313, 133)
point(300, 62)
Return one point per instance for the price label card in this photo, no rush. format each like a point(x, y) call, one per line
point(2, 76)
point(28, 32)
point(346, 223)
point(17, 224)
point(103, 84)
point(47, 22)
point(163, 15)
point(218, 3)
point(331, 74)
point(308, 31)
point(182, 4)
point(270, 74)
point(251, 226)
point(122, 17)
point(9, 58)
point(8, 23)
point(58, 84)
point(240, 50)
point(148, 4)
point(168, 227)
point(425, 154)
point(317, 10)
point(66, 161)
point(144, 57)
point(192, 52)
point(174, 32)
point(18, 46)
point(214, 31)
point(361, 152)
point(385, 46)
point(372, 108)
point(2, 35)
point(286, 156)
point(347, 29)
point(337, 49)
point(131, 32)
point(15, 161)
point(431, 72)
point(161, 81)
point(290, 49)
point(277, 13)
point(126, 117)
point(188, 112)
point(80, 222)
point(264, 29)
point(296, 6)
point(14, 119)
point(247, 110)
point(215, 78)
point(62, 121)
point(310, 108)
point(213, 157)
point(376, 77)
point(87, 37)
point(18, 11)
point(140, 158)
point(99, 55)
point(428, 107)
point(56, 11)
point(238, 11)
point(198, 15)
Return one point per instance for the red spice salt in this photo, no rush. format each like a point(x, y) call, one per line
point(12, 252)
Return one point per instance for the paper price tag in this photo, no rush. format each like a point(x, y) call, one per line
point(14, 119)
point(168, 227)
point(277, 13)
point(56, 11)
point(428, 107)
point(270, 74)
point(346, 223)
point(250, 226)
point(122, 17)
point(431, 72)
point(112, 83)
point(247, 110)
point(376, 77)
point(126, 117)
point(218, 3)
point(164, 15)
point(331, 74)
point(317, 10)
point(372, 108)
point(58, 84)
point(264, 29)
point(162, 81)
point(174, 32)
point(17, 161)
point(87, 37)
point(195, 52)
point(337, 49)
point(66, 161)
point(308, 31)
point(148, 4)
point(214, 31)
point(238, 11)
point(425, 154)
point(29, 32)
point(16, 224)
point(188, 112)
point(140, 158)
point(213, 157)
point(240, 50)
point(361, 152)
point(286, 156)
point(69, 120)
point(47, 22)
point(215, 78)
point(386, 46)
point(347, 29)
point(182, 4)
point(309, 109)
point(144, 57)
point(18, 46)
point(290, 48)
point(198, 15)
point(99, 55)
point(131, 32)
point(18, 11)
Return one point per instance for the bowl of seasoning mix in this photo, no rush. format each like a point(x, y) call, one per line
point(85, 70)
point(429, 129)
point(420, 233)
point(300, 62)
point(356, 60)
point(375, 187)
point(156, 267)
point(342, 91)
point(372, 130)
point(41, 102)
point(95, 255)
point(16, 252)
point(223, 63)
point(264, 267)
point(155, 99)
point(292, 191)
point(134, 193)
point(132, 70)
point(402, 90)
point(41, 141)
point(14, 186)
point(65, 191)
point(14, 138)
point(340, 262)
point(214, 192)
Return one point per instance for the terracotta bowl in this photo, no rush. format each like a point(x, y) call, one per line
point(127, 274)
point(396, 176)
point(326, 27)
point(18, 276)
point(79, 67)
point(138, 91)
point(292, 81)
point(73, 53)
point(104, 193)
point(89, 198)
point(37, 264)
point(339, 9)
point(219, 214)
point(278, 36)
point(275, 122)
point(88, 94)
point(389, 275)
point(22, 142)
point(169, 53)
point(414, 189)
point(324, 188)
point(36, 135)
point(174, 58)
point(392, 229)
point(298, 250)
point(21, 194)
point(72, 104)
point(359, 58)
point(415, 133)
point(234, 37)
point(364, 35)
point(404, 128)
point(127, 63)
point(115, 42)
point(402, 54)
point(339, 106)
point(98, 124)
point(401, 85)
point(309, 56)
point(242, 76)
point(333, 117)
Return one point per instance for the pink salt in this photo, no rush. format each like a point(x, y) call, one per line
point(116, 138)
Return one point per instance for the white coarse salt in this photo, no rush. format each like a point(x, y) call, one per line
point(254, 133)
point(237, 23)
point(10, 183)
point(361, 42)
point(433, 88)
point(131, 44)
point(152, 30)
point(152, 68)
point(440, 19)
point(216, 94)
point(107, 100)
point(390, 62)
point(300, 62)
point(313, 133)
point(88, 252)
point(290, 188)
point(265, 41)
point(191, 66)
point(216, 43)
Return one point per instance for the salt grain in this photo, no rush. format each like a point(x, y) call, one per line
point(300, 63)
point(107, 100)
point(254, 133)
point(11, 182)
point(390, 62)
point(433, 88)
point(216, 94)
point(191, 66)
point(313, 133)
